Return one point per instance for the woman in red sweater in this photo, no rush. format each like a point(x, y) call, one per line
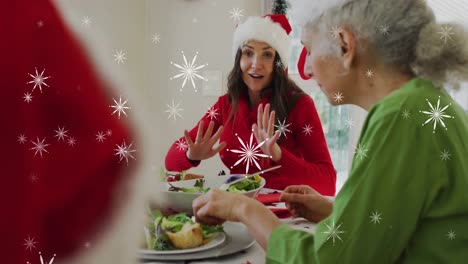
point(257, 84)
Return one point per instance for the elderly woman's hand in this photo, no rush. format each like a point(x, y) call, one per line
point(303, 201)
point(263, 131)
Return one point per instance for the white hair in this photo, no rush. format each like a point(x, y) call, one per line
point(404, 34)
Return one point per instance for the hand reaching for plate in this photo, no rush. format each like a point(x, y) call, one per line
point(303, 201)
point(263, 131)
point(202, 148)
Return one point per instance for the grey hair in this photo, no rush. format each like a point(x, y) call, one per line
point(403, 33)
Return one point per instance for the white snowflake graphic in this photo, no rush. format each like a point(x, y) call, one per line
point(40, 23)
point(39, 147)
point(236, 14)
point(38, 80)
point(124, 151)
point(384, 29)
point(445, 155)
point(30, 243)
point(451, 235)
point(361, 151)
point(100, 136)
point(445, 32)
point(60, 133)
point(307, 129)
point(333, 232)
point(283, 128)
point(436, 114)
point(338, 97)
point(119, 57)
point(27, 97)
point(249, 153)
point(156, 38)
point(109, 132)
point(119, 107)
point(335, 32)
point(33, 178)
point(71, 141)
point(406, 114)
point(22, 139)
point(86, 21)
point(349, 123)
point(189, 71)
point(174, 110)
point(212, 113)
point(375, 218)
point(369, 73)
point(182, 145)
point(279, 64)
point(87, 244)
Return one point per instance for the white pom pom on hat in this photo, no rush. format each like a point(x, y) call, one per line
point(272, 29)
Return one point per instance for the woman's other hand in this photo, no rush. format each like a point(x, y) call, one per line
point(202, 148)
point(264, 131)
point(303, 201)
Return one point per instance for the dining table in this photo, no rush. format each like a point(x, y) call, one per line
point(253, 254)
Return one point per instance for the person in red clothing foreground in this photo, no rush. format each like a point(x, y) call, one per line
point(261, 103)
point(60, 184)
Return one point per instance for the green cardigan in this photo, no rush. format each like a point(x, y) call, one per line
point(406, 199)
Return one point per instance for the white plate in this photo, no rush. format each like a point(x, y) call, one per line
point(216, 241)
point(237, 239)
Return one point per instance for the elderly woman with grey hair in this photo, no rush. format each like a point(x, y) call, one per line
point(405, 200)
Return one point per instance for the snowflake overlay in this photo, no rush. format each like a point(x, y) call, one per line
point(61, 133)
point(189, 71)
point(451, 235)
point(406, 114)
point(119, 57)
point(249, 153)
point(174, 110)
point(42, 259)
point(38, 80)
point(375, 217)
point(436, 114)
point(119, 107)
point(39, 147)
point(445, 32)
point(361, 151)
point(445, 155)
point(335, 32)
point(212, 113)
point(182, 145)
point(27, 97)
point(71, 141)
point(22, 139)
point(338, 97)
point(384, 29)
point(236, 14)
point(124, 151)
point(30, 243)
point(369, 73)
point(86, 21)
point(156, 38)
point(333, 232)
point(307, 129)
point(283, 128)
point(100, 136)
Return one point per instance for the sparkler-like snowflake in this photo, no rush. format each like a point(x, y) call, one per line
point(124, 151)
point(236, 14)
point(349, 123)
point(333, 232)
point(338, 97)
point(22, 139)
point(33, 177)
point(174, 110)
point(445, 155)
point(335, 32)
point(38, 80)
point(156, 38)
point(283, 128)
point(86, 21)
point(445, 32)
point(39, 147)
point(384, 29)
point(375, 217)
point(119, 57)
point(182, 145)
point(71, 141)
point(100, 136)
point(212, 113)
point(369, 73)
point(61, 133)
point(307, 129)
point(27, 97)
point(406, 114)
point(189, 71)
point(361, 151)
point(436, 114)
point(42, 259)
point(119, 107)
point(279, 64)
point(451, 235)
point(30, 243)
point(109, 132)
point(249, 153)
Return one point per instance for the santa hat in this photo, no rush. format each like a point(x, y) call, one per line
point(301, 64)
point(272, 29)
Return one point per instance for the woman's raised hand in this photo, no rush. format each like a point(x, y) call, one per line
point(202, 148)
point(264, 131)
